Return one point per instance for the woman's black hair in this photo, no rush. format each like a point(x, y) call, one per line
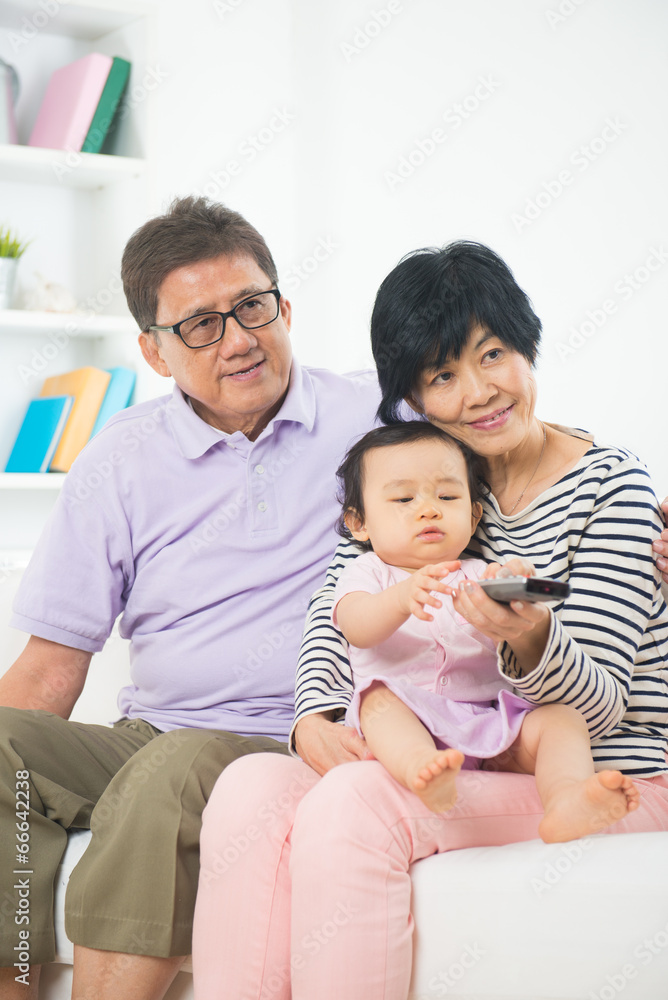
point(351, 471)
point(425, 309)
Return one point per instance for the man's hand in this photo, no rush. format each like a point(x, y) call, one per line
point(660, 546)
point(322, 744)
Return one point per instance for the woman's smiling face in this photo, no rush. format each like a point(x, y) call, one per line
point(485, 398)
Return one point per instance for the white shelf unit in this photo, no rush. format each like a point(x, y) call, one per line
point(15, 321)
point(78, 211)
point(31, 480)
point(57, 167)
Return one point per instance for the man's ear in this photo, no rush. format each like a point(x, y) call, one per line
point(150, 348)
point(286, 312)
point(476, 514)
point(355, 526)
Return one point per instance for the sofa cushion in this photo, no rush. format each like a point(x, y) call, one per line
point(586, 920)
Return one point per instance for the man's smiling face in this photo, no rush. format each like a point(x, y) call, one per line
point(239, 383)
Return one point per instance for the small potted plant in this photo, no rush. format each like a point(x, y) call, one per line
point(10, 251)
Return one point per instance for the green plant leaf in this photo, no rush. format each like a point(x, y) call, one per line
point(10, 246)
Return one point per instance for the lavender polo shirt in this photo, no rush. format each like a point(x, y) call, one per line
point(207, 544)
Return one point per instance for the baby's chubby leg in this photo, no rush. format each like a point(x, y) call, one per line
point(398, 739)
point(578, 801)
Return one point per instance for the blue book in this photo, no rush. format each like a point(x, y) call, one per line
point(39, 435)
point(117, 397)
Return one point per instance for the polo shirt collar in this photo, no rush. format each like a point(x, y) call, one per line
point(194, 437)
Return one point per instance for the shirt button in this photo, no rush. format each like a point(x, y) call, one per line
point(232, 446)
point(444, 681)
point(259, 469)
point(262, 506)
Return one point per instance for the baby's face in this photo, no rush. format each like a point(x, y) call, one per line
point(417, 504)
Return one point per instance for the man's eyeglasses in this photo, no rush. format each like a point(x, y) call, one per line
point(208, 328)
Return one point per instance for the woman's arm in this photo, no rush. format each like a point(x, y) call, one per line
point(594, 639)
point(324, 684)
point(597, 535)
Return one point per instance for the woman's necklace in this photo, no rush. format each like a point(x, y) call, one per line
point(540, 459)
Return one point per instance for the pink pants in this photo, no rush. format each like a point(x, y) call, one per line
point(308, 896)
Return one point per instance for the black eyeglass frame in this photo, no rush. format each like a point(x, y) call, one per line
point(176, 328)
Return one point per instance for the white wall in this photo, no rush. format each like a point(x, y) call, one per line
point(338, 93)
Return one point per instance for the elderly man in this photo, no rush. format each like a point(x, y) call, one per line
point(210, 527)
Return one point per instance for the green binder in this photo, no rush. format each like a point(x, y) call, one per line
point(107, 106)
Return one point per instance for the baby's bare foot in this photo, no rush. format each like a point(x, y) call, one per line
point(586, 807)
point(433, 778)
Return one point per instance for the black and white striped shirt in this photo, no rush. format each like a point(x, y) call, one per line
point(607, 651)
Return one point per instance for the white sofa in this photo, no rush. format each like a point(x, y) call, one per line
point(580, 921)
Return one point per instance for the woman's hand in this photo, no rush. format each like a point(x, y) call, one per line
point(512, 567)
point(524, 625)
point(660, 546)
point(322, 743)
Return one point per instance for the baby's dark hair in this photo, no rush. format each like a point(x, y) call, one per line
point(351, 471)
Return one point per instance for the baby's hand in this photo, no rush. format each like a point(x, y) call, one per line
point(513, 567)
point(419, 586)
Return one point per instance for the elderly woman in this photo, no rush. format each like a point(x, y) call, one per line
point(286, 854)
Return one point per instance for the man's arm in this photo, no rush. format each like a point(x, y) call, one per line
point(46, 676)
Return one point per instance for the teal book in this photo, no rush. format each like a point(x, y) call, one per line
point(39, 435)
point(117, 397)
point(107, 106)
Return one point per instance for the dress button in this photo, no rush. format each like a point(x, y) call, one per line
point(259, 469)
point(262, 506)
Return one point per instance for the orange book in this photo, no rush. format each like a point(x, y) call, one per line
point(88, 387)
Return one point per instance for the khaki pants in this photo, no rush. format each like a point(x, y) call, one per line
point(142, 793)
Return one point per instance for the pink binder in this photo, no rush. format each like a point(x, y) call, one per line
point(69, 103)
